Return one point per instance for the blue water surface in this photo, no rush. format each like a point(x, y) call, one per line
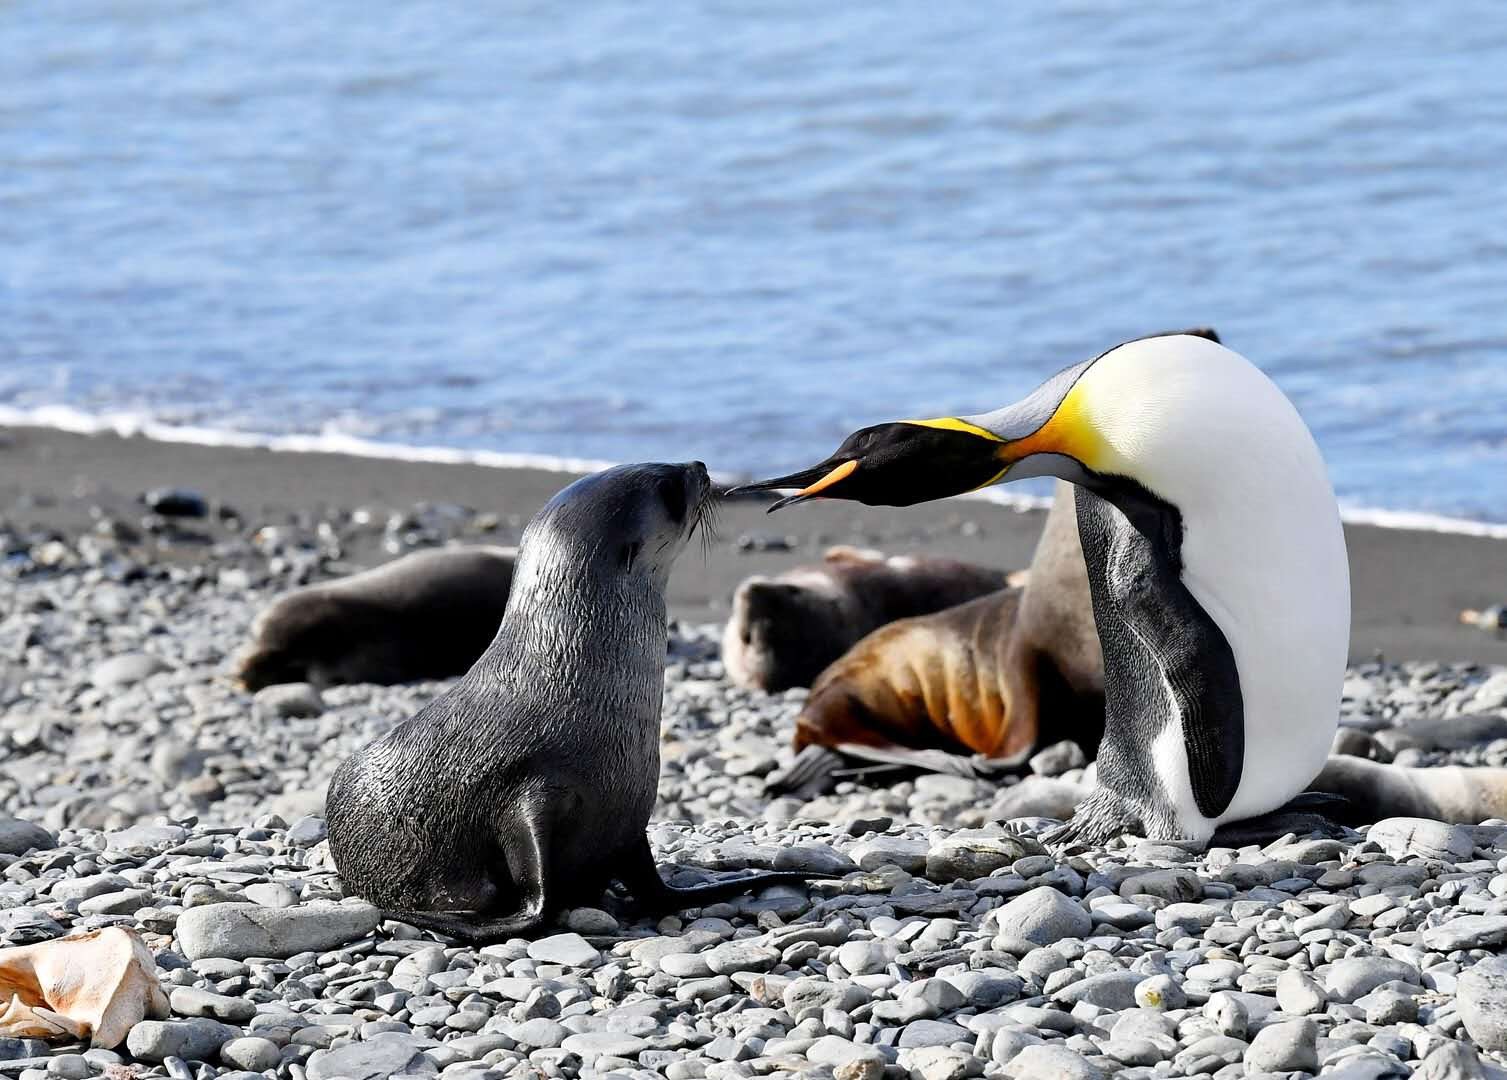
point(737, 231)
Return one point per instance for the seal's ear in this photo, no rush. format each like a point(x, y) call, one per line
point(630, 554)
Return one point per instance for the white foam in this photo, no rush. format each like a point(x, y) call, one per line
point(331, 441)
point(128, 424)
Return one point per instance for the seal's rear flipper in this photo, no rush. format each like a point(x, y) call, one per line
point(812, 773)
point(652, 894)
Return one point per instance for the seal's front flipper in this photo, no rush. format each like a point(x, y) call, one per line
point(1310, 812)
point(812, 773)
point(931, 761)
point(652, 894)
point(525, 846)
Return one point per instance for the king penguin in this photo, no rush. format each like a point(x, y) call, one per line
point(1216, 563)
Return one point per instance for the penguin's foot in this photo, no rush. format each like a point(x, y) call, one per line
point(1311, 812)
point(1100, 818)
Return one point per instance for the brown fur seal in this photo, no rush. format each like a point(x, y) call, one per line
point(785, 629)
point(984, 678)
point(527, 786)
point(427, 615)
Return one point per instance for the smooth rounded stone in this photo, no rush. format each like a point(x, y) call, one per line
point(590, 920)
point(831, 1050)
point(1209, 1054)
point(193, 1040)
point(987, 989)
point(69, 1066)
point(1451, 1060)
point(1403, 836)
point(814, 858)
point(1038, 797)
point(538, 1033)
point(1135, 1051)
point(1357, 976)
point(1228, 1014)
point(594, 1044)
point(568, 950)
point(191, 1001)
point(252, 1054)
point(686, 966)
point(741, 956)
point(933, 1033)
point(1006, 1042)
point(1286, 1047)
point(1122, 915)
point(868, 957)
point(1057, 759)
point(1481, 999)
point(378, 1058)
point(904, 852)
point(858, 1069)
point(287, 701)
point(1113, 990)
point(17, 837)
point(809, 997)
point(1161, 992)
point(1175, 886)
point(1298, 994)
point(271, 894)
point(307, 831)
point(127, 669)
point(1042, 916)
point(1467, 932)
point(1387, 1007)
point(969, 855)
point(86, 888)
point(240, 931)
point(939, 1063)
point(1043, 1060)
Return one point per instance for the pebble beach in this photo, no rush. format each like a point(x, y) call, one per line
point(141, 787)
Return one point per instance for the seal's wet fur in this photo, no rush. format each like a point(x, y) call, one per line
point(526, 788)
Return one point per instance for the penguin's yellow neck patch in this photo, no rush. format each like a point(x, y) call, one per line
point(1071, 432)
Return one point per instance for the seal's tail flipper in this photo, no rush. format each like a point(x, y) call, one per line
point(467, 926)
point(651, 893)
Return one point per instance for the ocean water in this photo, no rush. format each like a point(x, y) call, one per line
point(625, 231)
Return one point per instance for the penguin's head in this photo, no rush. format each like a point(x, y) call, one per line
point(1086, 430)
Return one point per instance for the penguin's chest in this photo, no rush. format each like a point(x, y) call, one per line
point(1174, 725)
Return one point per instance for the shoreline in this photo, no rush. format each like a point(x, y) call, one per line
point(1408, 584)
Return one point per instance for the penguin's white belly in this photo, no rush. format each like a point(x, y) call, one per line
point(1287, 622)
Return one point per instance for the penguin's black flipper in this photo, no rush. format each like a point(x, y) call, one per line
point(1311, 812)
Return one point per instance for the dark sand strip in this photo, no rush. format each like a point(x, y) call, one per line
point(1409, 586)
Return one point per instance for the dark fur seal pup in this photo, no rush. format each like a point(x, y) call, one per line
point(427, 615)
point(982, 680)
point(785, 629)
point(526, 787)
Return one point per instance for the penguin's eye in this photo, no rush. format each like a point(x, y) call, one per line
point(672, 493)
point(630, 554)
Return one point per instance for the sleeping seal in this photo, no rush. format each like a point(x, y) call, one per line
point(785, 629)
point(983, 680)
point(527, 786)
point(427, 615)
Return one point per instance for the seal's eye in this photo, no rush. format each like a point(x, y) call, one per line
point(672, 492)
point(629, 554)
